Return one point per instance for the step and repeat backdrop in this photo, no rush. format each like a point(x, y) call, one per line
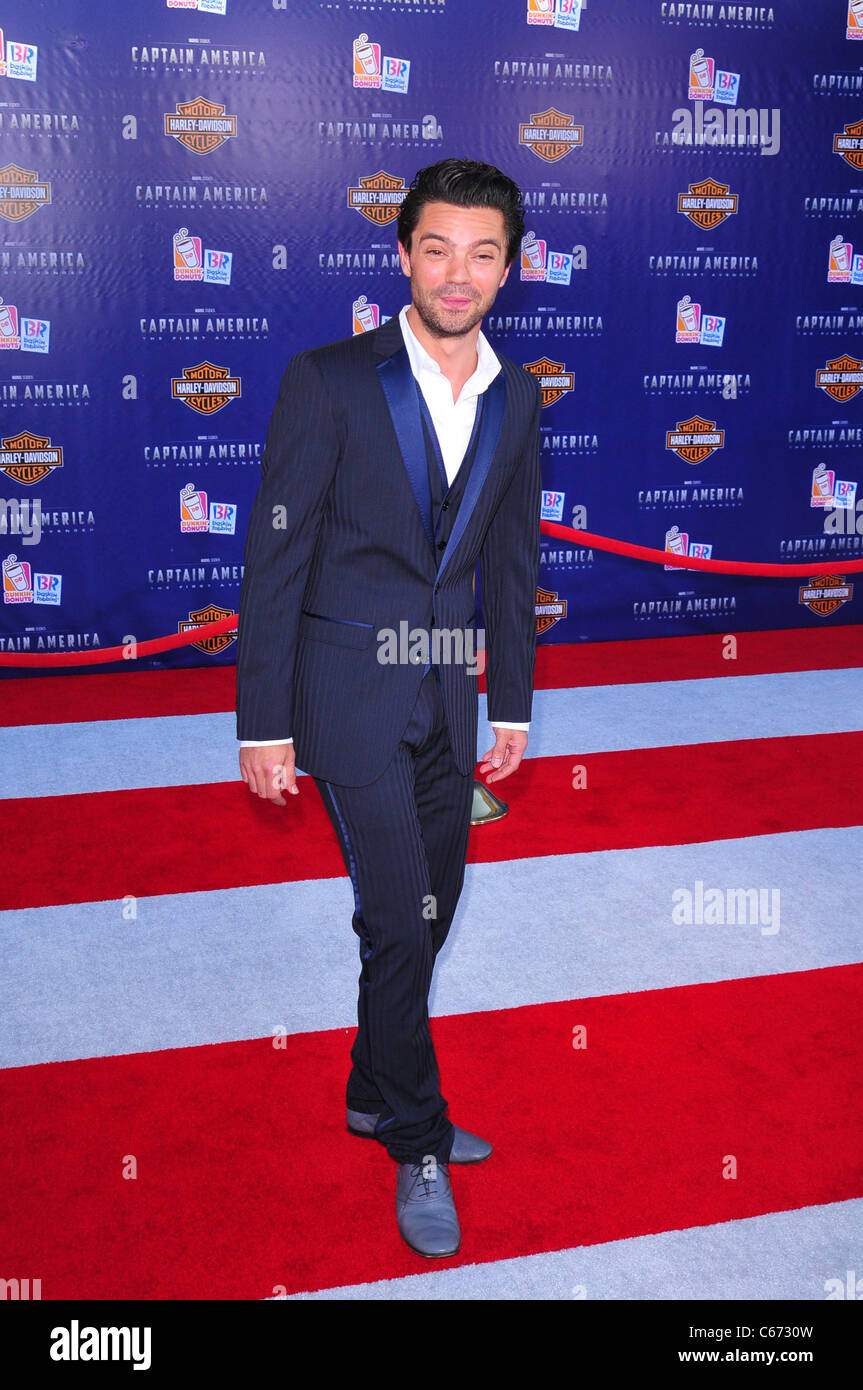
point(193, 190)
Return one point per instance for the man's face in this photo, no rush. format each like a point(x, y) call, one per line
point(456, 265)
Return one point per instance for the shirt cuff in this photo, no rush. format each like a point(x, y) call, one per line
point(263, 742)
point(499, 724)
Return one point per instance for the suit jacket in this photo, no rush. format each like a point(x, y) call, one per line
point(340, 547)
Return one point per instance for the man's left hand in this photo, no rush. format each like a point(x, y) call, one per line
point(505, 756)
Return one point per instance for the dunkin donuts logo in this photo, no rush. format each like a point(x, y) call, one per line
point(695, 439)
point(551, 134)
point(212, 613)
point(825, 593)
point(378, 197)
point(27, 458)
point(206, 388)
point(843, 267)
point(842, 378)
point(21, 193)
point(200, 125)
point(550, 609)
point(849, 145)
point(854, 21)
point(707, 203)
point(554, 379)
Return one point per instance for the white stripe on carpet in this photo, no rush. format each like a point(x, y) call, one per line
point(177, 750)
point(211, 967)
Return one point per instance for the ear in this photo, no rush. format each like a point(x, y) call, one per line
point(404, 257)
point(505, 274)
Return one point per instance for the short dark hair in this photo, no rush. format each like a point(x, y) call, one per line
point(468, 184)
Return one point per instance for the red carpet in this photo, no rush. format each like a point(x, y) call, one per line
point(247, 1183)
point(143, 694)
point(190, 838)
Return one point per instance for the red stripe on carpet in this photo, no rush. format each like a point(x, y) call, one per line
point(137, 694)
point(247, 1183)
point(183, 839)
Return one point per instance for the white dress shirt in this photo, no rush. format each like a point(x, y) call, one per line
point(453, 422)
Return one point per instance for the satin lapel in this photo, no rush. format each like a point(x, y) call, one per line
point(397, 381)
point(489, 434)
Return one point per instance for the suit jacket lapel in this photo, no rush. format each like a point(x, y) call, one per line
point(401, 394)
point(489, 434)
point(399, 388)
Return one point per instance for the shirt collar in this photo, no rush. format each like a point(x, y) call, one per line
point(487, 362)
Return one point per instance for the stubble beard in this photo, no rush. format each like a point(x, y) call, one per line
point(438, 325)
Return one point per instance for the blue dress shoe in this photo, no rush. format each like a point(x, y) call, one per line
point(466, 1148)
point(425, 1209)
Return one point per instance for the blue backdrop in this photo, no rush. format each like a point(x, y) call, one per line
point(189, 193)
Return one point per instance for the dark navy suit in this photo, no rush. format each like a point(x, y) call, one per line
point(354, 531)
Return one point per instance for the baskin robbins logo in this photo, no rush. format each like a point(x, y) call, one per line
point(551, 506)
point(849, 145)
point(854, 21)
point(843, 267)
point(832, 492)
point(554, 380)
point(366, 316)
point(556, 14)
point(199, 617)
point(18, 59)
point(21, 193)
point(21, 585)
point(707, 203)
point(841, 378)
point(677, 542)
point(379, 72)
point(378, 197)
point(198, 514)
point(24, 334)
point(825, 594)
point(694, 326)
point(194, 262)
point(695, 439)
point(551, 134)
point(206, 388)
point(549, 267)
point(200, 125)
point(27, 458)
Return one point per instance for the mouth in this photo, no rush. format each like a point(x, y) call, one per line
point(456, 301)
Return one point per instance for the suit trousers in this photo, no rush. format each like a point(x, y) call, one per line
point(404, 841)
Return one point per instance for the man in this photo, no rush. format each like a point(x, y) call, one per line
point(393, 462)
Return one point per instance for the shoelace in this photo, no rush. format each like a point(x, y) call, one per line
point(417, 1171)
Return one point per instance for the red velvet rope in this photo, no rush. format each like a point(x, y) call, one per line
point(551, 528)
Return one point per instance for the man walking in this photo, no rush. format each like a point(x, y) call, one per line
point(393, 462)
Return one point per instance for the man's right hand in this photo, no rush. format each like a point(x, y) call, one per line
point(269, 771)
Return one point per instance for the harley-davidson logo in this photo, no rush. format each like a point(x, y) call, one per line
point(850, 145)
point(551, 134)
point(21, 193)
point(707, 203)
point(553, 378)
point(695, 439)
point(206, 388)
point(28, 458)
point(842, 378)
point(378, 197)
point(211, 614)
point(549, 610)
point(825, 593)
point(200, 125)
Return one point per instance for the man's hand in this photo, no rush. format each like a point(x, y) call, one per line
point(269, 771)
point(505, 756)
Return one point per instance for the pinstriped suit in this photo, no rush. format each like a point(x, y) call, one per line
point(354, 551)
